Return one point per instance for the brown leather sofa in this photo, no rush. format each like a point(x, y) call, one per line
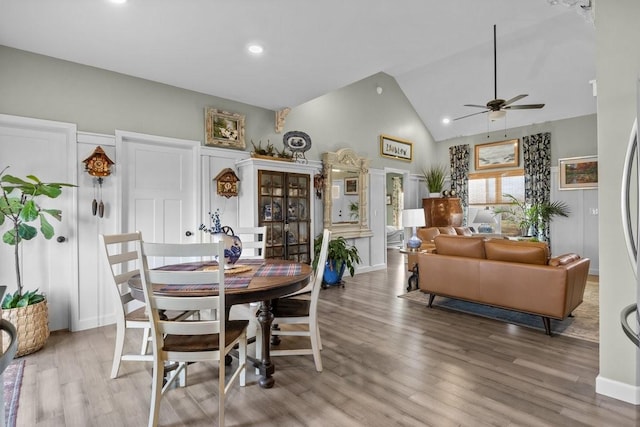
point(503, 273)
point(427, 234)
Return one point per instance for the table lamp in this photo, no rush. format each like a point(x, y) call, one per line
point(486, 219)
point(413, 218)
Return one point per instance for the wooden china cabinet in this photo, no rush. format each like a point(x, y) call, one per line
point(281, 201)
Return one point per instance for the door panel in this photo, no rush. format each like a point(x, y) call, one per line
point(159, 187)
point(47, 150)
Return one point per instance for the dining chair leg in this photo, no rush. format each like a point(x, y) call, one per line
point(145, 341)
point(119, 346)
point(242, 356)
point(315, 349)
point(156, 393)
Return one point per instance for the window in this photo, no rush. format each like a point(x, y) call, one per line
point(489, 188)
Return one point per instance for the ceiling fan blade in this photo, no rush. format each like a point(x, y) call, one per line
point(475, 105)
point(514, 99)
point(524, 107)
point(469, 115)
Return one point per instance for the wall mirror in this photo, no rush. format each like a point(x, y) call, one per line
point(346, 183)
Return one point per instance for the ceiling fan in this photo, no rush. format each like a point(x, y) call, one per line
point(497, 108)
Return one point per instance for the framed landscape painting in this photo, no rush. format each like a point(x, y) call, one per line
point(578, 173)
point(224, 129)
point(502, 154)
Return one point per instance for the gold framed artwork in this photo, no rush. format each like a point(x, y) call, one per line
point(396, 148)
point(502, 154)
point(350, 186)
point(578, 173)
point(224, 129)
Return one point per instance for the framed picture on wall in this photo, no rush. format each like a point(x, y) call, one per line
point(578, 173)
point(350, 186)
point(396, 148)
point(502, 154)
point(224, 129)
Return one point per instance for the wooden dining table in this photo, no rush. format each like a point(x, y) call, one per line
point(254, 281)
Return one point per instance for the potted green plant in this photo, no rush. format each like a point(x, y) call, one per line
point(532, 217)
point(340, 256)
point(27, 310)
point(434, 177)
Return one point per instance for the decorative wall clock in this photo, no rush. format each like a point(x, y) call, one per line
point(227, 183)
point(98, 164)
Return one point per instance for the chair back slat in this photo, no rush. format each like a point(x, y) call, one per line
point(254, 241)
point(157, 302)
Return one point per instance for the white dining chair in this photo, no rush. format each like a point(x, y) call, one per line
point(300, 309)
point(254, 242)
point(196, 340)
point(120, 253)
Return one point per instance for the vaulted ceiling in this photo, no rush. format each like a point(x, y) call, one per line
point(440, 52)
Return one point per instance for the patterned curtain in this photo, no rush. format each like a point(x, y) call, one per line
point(537, 175)
point(459, 167)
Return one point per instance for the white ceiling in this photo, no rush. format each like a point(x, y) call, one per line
point(440, 52)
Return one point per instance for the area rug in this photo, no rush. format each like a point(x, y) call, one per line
point(12, 383)
point(583, 325)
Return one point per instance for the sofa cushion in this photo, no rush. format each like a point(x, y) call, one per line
point(448, 230)
point(463, 246)
point(517, 251)
point(427, 234)
point(463, 231)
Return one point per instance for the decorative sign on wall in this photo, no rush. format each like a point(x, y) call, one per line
point(227, 183)
point(396, 148)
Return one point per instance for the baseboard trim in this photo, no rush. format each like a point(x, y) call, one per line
point(618, 390)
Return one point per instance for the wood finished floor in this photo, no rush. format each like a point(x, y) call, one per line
point(387, 362)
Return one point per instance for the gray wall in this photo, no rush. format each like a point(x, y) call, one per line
point(569, 137)
point(355, 116)
point(102, 101)
point(617, 68)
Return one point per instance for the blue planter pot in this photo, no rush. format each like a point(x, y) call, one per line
point(331, 275)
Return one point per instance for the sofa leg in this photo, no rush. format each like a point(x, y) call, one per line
point(547, 325)
point(431, 298)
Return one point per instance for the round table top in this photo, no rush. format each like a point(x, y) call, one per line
point(260, 287)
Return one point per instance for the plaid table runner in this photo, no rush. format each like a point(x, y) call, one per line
point(279, 270)
point(229, 283)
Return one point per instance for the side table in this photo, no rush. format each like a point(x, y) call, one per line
point(413, 279)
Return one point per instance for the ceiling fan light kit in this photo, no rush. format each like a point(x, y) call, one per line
point(497, 107)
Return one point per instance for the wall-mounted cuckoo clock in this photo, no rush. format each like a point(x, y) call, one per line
point(227, 183)
point(98, 165)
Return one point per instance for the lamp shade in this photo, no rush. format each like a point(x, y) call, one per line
point(485, 216)
point(413, 218)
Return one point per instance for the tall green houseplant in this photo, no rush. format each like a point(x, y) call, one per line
point(19, 209)
point(434, 177)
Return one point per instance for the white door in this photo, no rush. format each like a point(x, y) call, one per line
point(47, 150)
point(159, 186)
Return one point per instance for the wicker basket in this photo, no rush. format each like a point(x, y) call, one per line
point(32, 324)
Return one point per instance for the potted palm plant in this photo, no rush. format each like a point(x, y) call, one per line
point(340, 256)
point(27, 310)
point(531, 218)
point(434, 177)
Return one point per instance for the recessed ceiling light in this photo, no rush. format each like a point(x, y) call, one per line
point(255, 49)
point(446, 121)
point(118, 1)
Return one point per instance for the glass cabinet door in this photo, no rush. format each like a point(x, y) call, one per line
point(284, 203)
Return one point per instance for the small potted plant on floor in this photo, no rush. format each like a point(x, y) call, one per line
point(27, 310)
point(340, 256)
point(434, 177)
